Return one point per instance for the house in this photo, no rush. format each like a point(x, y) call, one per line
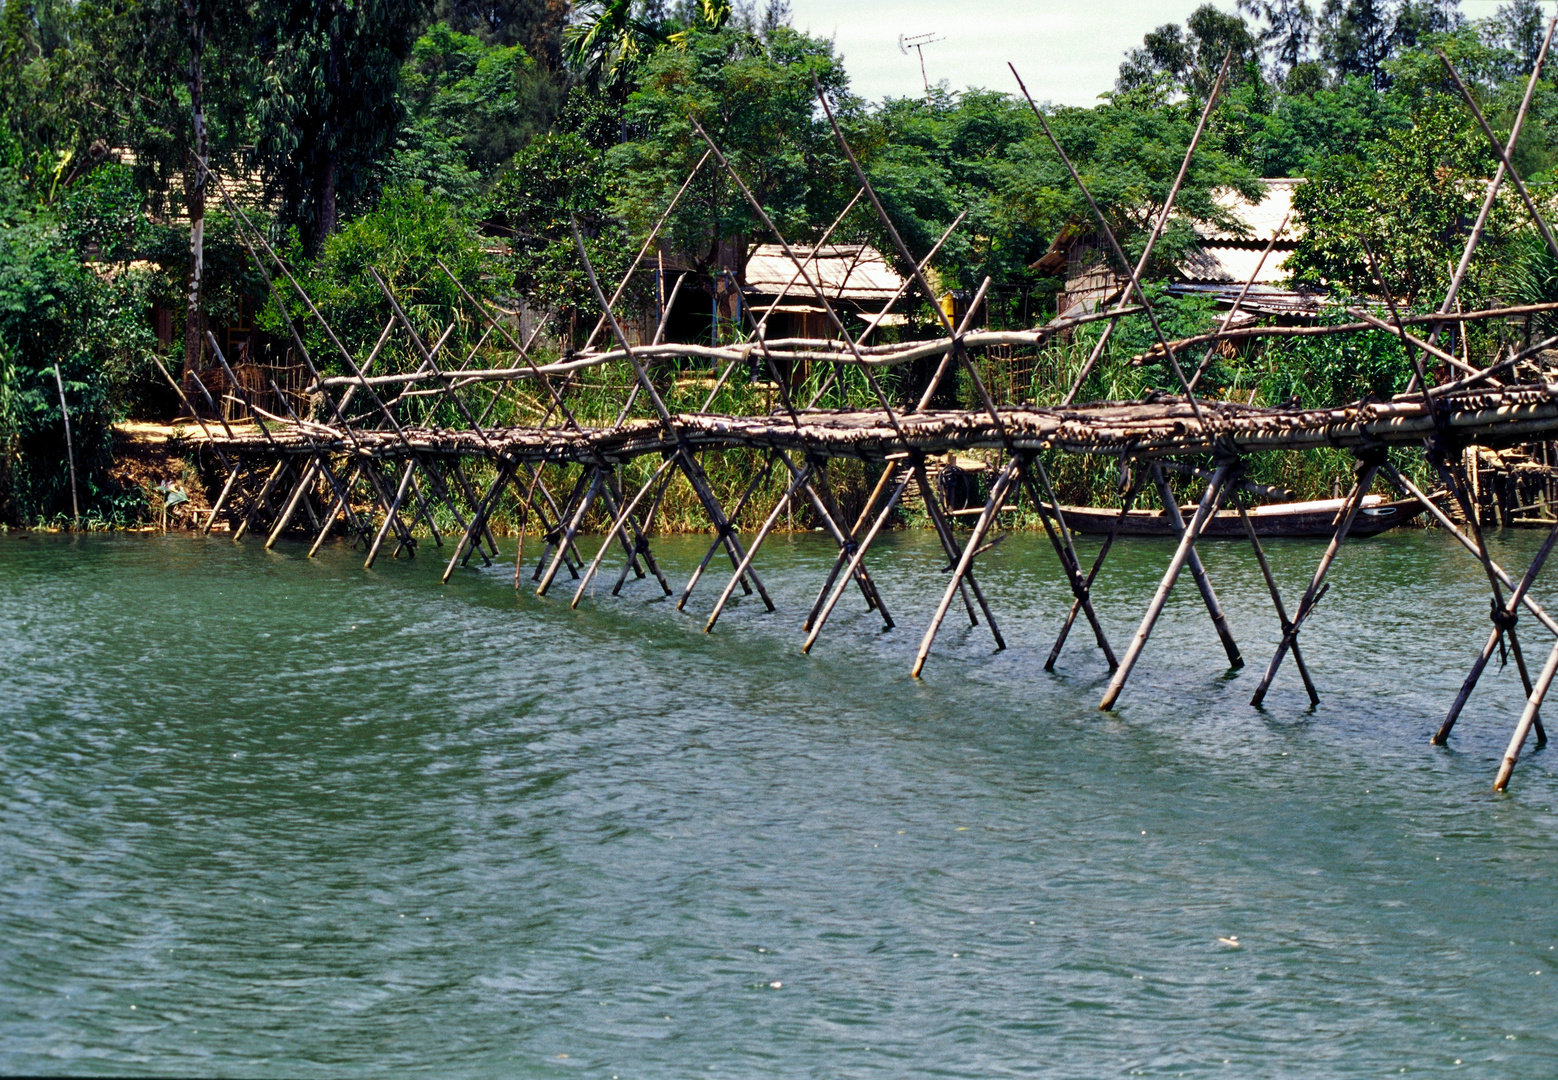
point(854, 278)
point(1222, 264)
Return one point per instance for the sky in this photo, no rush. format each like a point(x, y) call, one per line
point(1068, 52)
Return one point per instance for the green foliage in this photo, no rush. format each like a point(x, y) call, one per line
point(469, 107)
point(754, 97)
point(1187, 61)
point(1531, 277)
point(1324, 371)
point(54, 310)
point(536, 25)
point(129, 65)
point(1413, 195)
point(610, 38)
point(103, 212)
point(331, 104)
point(1302, 129)
point(555, 180)
point(404, 238)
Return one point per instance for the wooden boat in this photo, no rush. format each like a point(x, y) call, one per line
point(1316, 518)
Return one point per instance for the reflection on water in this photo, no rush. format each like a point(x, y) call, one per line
point(266, 816)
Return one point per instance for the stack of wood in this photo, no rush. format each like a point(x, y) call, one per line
point(1514, 486)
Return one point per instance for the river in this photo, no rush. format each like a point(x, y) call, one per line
point(267, 816)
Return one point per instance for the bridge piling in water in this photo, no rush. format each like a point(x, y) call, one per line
point(385, 467)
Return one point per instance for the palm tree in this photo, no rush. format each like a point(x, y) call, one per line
point(610, 39)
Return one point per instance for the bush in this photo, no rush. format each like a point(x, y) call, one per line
point(55, 311)
point(404, 238)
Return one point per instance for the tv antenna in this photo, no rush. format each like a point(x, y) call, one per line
point(917, 42)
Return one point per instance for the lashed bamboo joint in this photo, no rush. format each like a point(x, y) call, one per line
point(370, 468)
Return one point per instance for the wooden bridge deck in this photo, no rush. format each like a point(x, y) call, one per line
point(1165, 427)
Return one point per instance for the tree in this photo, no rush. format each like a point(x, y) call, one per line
point(1302, 129)
point(40, 100)
point(1412, 194)
point(331, 103)
point(1419, 20)
point(1187, 61)
point(469, 107)
point(1355, 39)
point(1520, 28)
point(611, 38)
point(1288, 35)
point(557, 179)
point(403, 238)
point(534, 25)
point(173, 79)
point(64, 332)
point(755, 98)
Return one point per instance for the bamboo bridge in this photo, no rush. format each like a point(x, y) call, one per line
point(360, 462)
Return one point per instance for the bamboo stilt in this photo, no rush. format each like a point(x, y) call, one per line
point(998, 490)
point(1187, 541)
point(1198, 573)
point(1138, 476)
point(1367, 468)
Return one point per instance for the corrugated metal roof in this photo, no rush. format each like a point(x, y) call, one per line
point(846, 272)
point(1260, 300)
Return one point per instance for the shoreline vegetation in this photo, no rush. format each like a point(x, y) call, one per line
point(454, 149)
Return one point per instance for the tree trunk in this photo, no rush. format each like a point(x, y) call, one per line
point(195, 178)
point(327, 211)
point(324, 209)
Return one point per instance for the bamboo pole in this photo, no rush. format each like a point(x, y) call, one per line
point(690, 466)
point(1498, 148)
point(1527, 719)
point(799, 480)
point(1187, 541)
point(998, 490)
point(400, 495)
point(614, 531)
point(708, 556)
point(596, 478)
point(820, 618)
point(1367, 468)
point(950, 545)
point(1411, 489)
point(828, 512)
point(1162, 219)
point(1138, 476)
point(1065, 551)
point(70, 451)
point(1243, 292)
point(1276, 597)
point(1198, 572)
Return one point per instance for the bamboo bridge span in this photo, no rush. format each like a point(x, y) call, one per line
point(362, 460)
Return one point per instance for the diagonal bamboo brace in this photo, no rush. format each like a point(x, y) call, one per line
point(998, 490)
point(1187, 542)
point(1198, 572)
point(1527, 719)
point(1367, 467)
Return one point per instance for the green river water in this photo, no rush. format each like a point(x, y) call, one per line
point(266, 816)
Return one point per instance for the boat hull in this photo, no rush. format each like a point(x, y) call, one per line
point(1313, 519)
